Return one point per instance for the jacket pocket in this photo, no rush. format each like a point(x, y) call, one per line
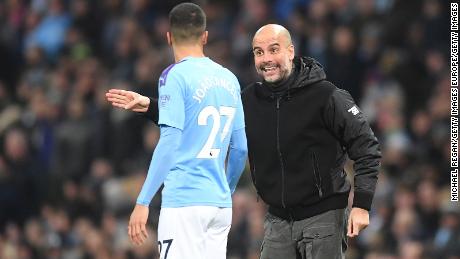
point(339, 180)
point(317, 174)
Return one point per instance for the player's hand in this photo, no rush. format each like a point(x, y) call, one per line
point(136, 228)
point(128, 100)
point(358, 220)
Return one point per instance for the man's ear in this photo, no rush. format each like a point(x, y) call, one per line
point(204, 38)
point(169, 38)
point(291, 52)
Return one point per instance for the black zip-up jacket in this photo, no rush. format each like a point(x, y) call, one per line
point(298, 140)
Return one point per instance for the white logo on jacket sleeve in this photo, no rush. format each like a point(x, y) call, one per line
point(354, 110)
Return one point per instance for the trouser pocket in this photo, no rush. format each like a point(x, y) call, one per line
point(321, 242)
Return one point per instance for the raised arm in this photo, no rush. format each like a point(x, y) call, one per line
point(135, 102)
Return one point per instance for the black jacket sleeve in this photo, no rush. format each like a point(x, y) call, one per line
point(152, 112)
point(347, 122)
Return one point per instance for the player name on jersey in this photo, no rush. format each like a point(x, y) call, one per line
point(212, 81)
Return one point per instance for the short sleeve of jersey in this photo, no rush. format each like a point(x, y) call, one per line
point(239, 114)
point(171, 107)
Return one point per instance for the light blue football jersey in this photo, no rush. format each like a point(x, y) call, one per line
point(203, 99)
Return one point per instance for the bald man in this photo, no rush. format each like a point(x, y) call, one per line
point(300, 128)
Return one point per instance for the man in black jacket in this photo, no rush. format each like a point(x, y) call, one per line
point(299, 127)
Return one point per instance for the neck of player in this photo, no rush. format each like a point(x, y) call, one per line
point(187, 50)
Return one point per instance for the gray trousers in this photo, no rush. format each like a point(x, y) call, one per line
point(323, 236)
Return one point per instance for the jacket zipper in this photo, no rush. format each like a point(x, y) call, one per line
point(317, 174)
point(253, 175)
point(280, 155)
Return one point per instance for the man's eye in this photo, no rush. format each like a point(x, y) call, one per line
point(258, 53)
point(274, 51)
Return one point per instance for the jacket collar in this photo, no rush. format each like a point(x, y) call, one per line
point(307, 71)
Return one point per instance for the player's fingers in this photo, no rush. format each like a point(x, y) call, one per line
point(116, 97)
point(130, 233)
point(118, 105)
point(121, 92)
point(111, 95)
point(133, 236)
point(142, 237)
point(115, 101)
point(144, 231)
point(115, 91)
point(137, 234)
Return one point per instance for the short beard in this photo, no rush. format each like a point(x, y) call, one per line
point(282, 77)
point(273, 81)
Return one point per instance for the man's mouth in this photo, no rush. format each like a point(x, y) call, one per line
point(269, 68)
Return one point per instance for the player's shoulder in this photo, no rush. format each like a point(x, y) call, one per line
point(172, 71)
point(229, 74)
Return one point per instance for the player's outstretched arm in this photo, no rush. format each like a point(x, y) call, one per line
point(236, 157)
point(133, 101)
point(128, 100)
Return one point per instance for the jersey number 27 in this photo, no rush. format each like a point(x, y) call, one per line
point(208, 151)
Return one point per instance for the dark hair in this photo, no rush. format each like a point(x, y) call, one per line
point(187, 21)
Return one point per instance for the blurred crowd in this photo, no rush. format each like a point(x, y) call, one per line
point(71, 166)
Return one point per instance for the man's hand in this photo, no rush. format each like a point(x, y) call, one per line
point(128, 100)
point(136, 228)
point(358, 220)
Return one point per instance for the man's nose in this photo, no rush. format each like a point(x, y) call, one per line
point(267, 58)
